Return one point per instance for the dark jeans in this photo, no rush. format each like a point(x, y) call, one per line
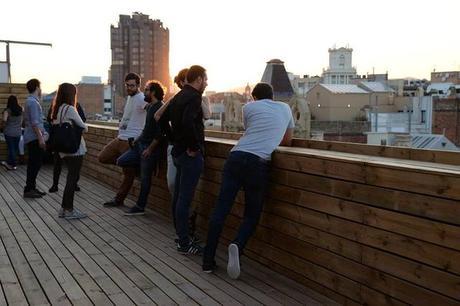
point(57, 168)
point(241, 170)
point(34, 164)
point(188, 173)
point(13, 149)
point(133, 158)
point(73, 174)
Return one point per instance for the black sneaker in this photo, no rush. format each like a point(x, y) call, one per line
point(209, 267)
point(40, 192)
point(194, 239)
point(53, 188)
point(192, 249)
point(77, 188)
point(112, 203)
point(32, 194)
point(135, 211)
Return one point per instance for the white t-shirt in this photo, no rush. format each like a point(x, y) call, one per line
point(266, 122)
point(133, 121)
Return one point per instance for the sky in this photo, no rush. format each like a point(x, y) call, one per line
point(234, 39)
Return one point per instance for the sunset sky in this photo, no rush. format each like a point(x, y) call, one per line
point(234, 39)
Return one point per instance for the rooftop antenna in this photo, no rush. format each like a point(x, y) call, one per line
point(8, 42)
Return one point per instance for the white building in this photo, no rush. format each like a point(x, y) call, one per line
point(340, 70)
point(416, 118)
point(91, 80)
point(302, 85)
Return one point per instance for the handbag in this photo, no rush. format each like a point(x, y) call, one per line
point(65, 137)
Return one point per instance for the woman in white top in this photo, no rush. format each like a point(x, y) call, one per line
point(64, 110)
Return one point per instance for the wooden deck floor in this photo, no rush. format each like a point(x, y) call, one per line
point(108, 258)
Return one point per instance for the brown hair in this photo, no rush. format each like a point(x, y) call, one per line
point(133, 76)
point(157, 88)
point(195, 72)
point(181, 77)
point(32, 85)
point(66, 94)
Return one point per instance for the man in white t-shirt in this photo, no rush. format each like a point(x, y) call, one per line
point(130, 128)
point(267, 124)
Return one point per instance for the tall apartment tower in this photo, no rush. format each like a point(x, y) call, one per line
point(139, 44)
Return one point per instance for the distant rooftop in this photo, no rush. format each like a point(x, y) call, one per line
point(275, 74)
point(344, 89)
point(376, 87)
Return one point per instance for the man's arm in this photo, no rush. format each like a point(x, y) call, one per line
point(159, 113)
point(35, 120)
point(164, 122)
point(191, 111)
point(156, 140)
point(287, 138)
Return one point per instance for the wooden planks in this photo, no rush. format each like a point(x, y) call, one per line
point(109, 259)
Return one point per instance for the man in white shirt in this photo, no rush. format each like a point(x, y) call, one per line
point(130, 128)
point(268, 124)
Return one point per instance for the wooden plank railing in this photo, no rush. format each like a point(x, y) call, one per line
point(357, 228)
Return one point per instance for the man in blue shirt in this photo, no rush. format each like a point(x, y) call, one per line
point(267, 124)
point(34, 138)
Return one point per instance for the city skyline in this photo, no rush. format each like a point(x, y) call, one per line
point(234, 41)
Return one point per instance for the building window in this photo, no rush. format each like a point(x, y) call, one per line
point(423, 116)
point(342, 61)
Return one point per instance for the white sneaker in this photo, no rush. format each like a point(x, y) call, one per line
point(233, 266)
point(74, 214)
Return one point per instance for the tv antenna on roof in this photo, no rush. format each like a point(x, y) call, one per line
point(8, 42)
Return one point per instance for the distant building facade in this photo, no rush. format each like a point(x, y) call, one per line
point(446, 117)
point(340, 70)
point(141, 45)
point(91, 96)
point(302, 85)
point(446, 77)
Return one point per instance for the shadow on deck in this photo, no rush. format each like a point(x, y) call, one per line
point(108, 258)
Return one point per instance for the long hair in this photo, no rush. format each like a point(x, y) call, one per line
point(66, 94)
point(180, 78)
point(13, 106)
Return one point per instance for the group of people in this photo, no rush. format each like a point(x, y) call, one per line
point(148, 125)
point(148, 122)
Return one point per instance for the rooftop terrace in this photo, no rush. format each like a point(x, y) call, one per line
point(343, 223)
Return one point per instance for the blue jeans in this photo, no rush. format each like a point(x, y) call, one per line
point(250, 172)
point(188, 174)
point(133, 158)
point(13, 149)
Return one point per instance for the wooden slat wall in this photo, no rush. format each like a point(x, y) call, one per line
point(20, 91)
point(444, 157)
point(357, 231)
